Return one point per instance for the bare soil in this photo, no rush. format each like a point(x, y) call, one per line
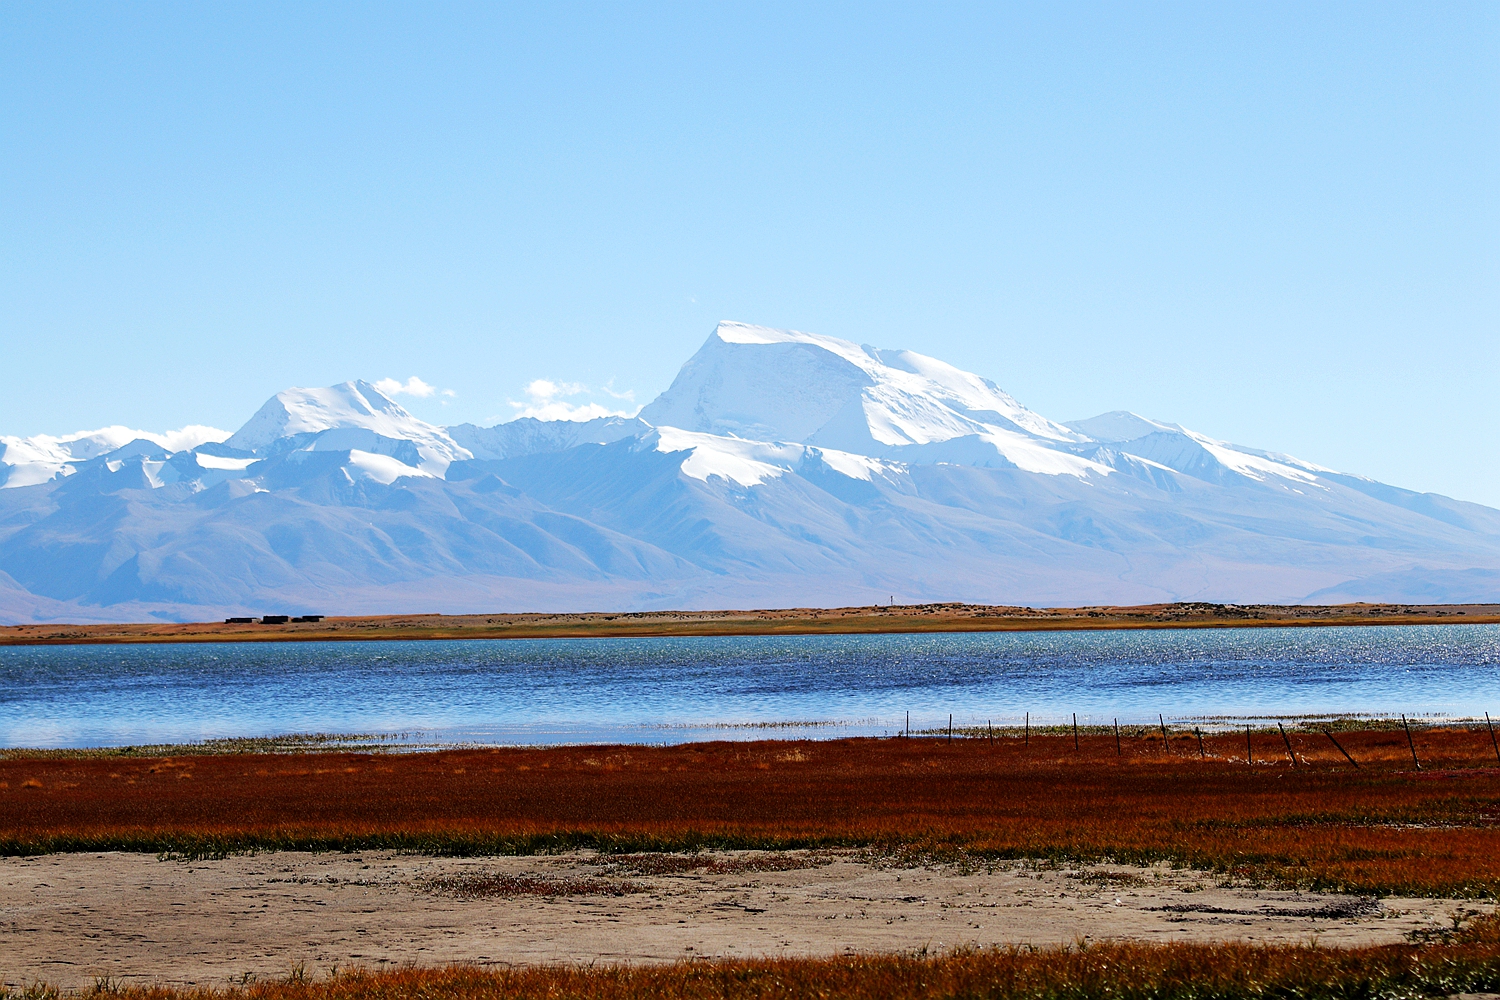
point(68, 918)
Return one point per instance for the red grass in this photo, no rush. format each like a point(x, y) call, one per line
point(1467, 963)
point(1382, 828)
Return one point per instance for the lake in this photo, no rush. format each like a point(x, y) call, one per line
point(660, 690)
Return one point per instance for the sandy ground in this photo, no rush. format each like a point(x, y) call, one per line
point(69, 918)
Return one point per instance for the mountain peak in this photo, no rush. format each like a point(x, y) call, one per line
point(311, 410)
point(786, 385)
point(730, 332)
point(1119, 426)
point(350, 416)
point(41, 458)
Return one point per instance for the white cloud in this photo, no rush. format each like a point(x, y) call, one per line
point(413, 387)
point(543, 389)
point(548, 401)
point(609, 389)
point(188, 437)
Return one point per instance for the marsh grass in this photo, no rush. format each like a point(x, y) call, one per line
point(31, 991)
point(1383, 828)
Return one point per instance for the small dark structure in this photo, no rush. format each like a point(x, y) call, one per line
point(239, 621)
point(308, 618)
point(274, 619)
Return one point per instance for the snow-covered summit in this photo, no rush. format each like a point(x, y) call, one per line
point(1190, 452)
point(746, 384)
point(530, 436)
point(27, 461)
point(763, 384)
point(354, 417)
point(786, 386)
point(1119, 426)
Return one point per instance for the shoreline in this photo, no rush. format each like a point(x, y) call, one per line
point(868, 620)
point(308, 743)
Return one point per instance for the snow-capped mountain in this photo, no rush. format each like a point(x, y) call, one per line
point(32, 460)
point(530, 436)
point(782, 385)
point(384, 442)
point(779, 468)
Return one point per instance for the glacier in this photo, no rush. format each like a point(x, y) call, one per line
point(778, 469)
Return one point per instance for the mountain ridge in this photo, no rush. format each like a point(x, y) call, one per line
point(778, 467)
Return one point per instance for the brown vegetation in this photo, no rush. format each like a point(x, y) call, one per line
point(787, 621)
point(1468, 961)
point(1383, 827)
point(472, 885)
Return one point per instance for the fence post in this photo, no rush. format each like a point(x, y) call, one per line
point(1411, 743)
point(1287, 740)
point(1328, 733)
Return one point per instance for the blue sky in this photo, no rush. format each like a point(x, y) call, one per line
point(1275, 223)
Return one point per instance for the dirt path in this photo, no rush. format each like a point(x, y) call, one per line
point(69, 918)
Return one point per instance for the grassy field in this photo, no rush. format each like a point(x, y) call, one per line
point(1466, 961)
point(1383, 827)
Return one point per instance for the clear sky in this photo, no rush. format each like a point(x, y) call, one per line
point(1278, 224)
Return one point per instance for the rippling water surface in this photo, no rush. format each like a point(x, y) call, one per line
point(670, 690)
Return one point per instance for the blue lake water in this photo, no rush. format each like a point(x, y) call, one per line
point(678, 689)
